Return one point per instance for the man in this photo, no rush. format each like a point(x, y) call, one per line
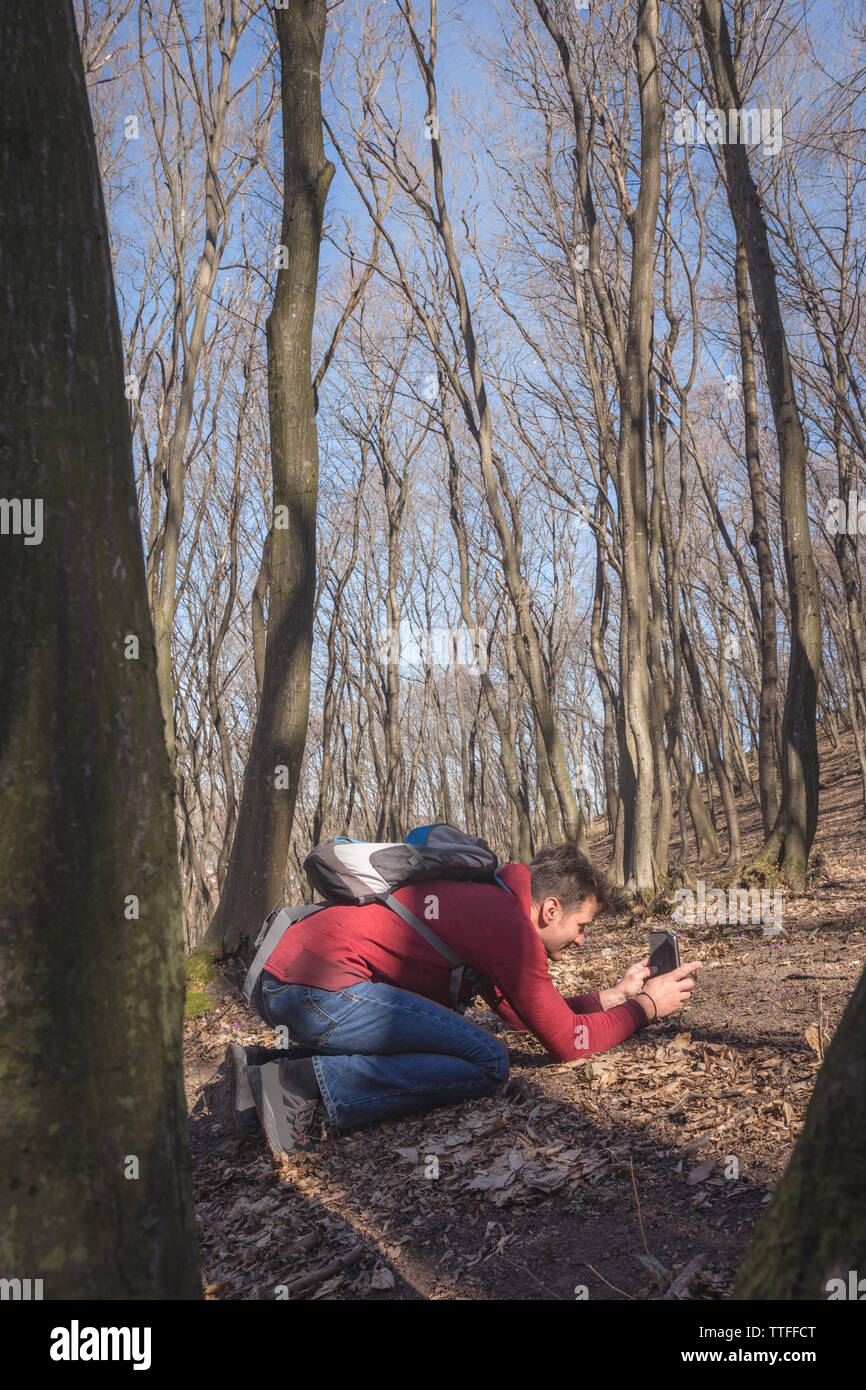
point(365, 997)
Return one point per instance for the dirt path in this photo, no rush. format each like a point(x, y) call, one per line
point(599, 1181)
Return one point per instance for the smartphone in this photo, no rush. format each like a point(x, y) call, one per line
point(664, 951)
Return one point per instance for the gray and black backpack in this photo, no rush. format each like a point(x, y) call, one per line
point(357, 872)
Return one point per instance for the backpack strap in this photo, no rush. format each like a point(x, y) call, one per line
point(461, 970)
point(272, 937)
point(269, 937)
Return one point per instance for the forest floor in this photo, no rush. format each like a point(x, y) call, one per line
point(606, 1180)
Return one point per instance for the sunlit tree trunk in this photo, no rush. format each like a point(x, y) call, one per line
point(791, 839)
point(763, 551)
point(256, 875)
point(639, 868)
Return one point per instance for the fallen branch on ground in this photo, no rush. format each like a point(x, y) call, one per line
point(317, 1276)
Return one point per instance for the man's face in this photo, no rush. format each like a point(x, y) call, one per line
point(559, 929)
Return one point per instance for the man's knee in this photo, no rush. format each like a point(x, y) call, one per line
point(497, 1067)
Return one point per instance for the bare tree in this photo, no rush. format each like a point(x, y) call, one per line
point(255, 879)
point(790, 841)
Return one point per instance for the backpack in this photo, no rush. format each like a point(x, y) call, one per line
point(357, 872)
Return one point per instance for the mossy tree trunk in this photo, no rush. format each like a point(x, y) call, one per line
point(96, 1186)
point(815, 1227)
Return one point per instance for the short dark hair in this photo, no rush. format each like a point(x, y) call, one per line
point(563, 872)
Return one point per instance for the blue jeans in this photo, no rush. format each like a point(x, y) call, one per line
point(382, 1052)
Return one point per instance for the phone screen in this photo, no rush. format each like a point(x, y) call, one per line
point(664, 951)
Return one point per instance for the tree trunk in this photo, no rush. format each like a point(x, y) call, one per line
point(719, 768)
point(660, 695)
point(395, 490)
point(598, 627)
point(93, 1148)
point(815, 1227)
point(639, 869)
point(791, 839)
point(257, 869)
point(760, 539)
point(705, 832)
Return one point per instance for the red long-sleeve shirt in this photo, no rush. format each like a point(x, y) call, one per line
point(487, 927)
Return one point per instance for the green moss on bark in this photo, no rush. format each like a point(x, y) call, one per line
point(200, 973)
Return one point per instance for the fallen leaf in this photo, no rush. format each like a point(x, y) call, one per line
point(702, 1171)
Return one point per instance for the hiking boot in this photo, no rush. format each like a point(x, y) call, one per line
point(287, 1098)
point(239, 1107)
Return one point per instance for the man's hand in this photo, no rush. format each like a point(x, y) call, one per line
point(632, 981)
point(669, 992)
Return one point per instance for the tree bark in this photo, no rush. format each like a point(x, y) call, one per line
point(93, 1132)
point(760, 539)
point(639, 867)
point(257, 868)
point(719, 768)
point(660, 695)
point(789, 843)
point(815, 1227)
point(706, 839)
